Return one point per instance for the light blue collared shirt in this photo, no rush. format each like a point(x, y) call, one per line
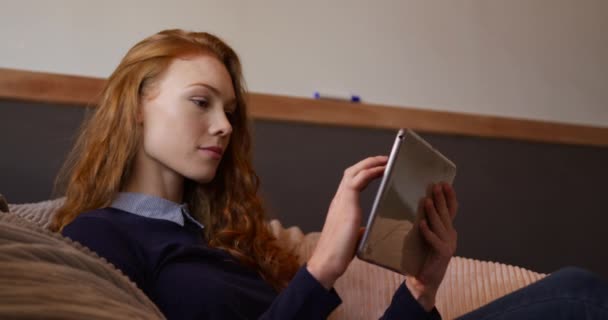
point(154, 207)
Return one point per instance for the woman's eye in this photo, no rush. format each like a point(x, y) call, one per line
point(200, 102)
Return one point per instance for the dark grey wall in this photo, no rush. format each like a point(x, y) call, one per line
point(535, 205)
point(34, 141)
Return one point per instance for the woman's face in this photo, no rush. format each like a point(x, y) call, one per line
point(185, 117)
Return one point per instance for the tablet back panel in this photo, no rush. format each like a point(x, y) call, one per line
point(392, 236)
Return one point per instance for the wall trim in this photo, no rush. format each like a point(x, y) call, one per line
point(84, 91)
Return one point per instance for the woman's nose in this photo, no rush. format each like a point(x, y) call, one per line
point(220, 125)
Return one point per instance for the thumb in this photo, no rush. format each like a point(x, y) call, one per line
point(360, 234)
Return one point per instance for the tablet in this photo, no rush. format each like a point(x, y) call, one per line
point(392, 238)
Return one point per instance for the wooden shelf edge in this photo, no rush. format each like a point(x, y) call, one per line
point(84, 91)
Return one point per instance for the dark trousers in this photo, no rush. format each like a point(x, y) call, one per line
point(569, 293)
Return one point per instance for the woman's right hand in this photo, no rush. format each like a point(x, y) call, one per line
point(341, 231)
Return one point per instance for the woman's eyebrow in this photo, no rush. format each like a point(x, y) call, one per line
point(201, 84)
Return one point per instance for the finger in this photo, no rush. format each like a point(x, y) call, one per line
point(441, 206)
point(361, 232)
point(433, 217)
point(361, 180)
point(429, 190)
point(420, 212)
point(364, 164)
point(364, 177)
point(434, 240)
point(452, 201)
point(429, 193)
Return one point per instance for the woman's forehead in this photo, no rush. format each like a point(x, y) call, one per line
point(203, 69)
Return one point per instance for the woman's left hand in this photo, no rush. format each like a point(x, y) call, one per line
point(440, 206)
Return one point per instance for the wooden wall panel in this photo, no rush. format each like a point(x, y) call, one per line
point(77, 90)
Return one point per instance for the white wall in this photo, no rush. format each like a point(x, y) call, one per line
point(535, 59)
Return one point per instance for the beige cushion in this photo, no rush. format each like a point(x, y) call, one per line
point(81, 282)
point(44, 274)
point(366, 289)
point(38, 212)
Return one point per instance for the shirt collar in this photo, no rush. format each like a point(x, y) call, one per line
point(154, 207)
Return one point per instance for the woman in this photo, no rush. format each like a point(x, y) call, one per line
point(160, 183)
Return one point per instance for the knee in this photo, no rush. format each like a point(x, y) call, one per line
point(575, 276)
point(574, 272)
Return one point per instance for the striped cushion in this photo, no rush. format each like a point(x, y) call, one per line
point(44, 274)
point(366, 289)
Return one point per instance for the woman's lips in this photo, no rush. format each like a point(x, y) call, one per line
point(214, 152)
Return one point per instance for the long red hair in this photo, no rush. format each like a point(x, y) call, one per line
point(100, 163)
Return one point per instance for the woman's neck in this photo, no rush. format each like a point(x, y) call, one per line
point(151, 177)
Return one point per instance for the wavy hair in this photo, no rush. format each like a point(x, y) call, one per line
point(101, 160)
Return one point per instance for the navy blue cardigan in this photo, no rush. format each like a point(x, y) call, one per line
point(188, 280)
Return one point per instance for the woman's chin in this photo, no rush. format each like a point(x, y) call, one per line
point(202, 178)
